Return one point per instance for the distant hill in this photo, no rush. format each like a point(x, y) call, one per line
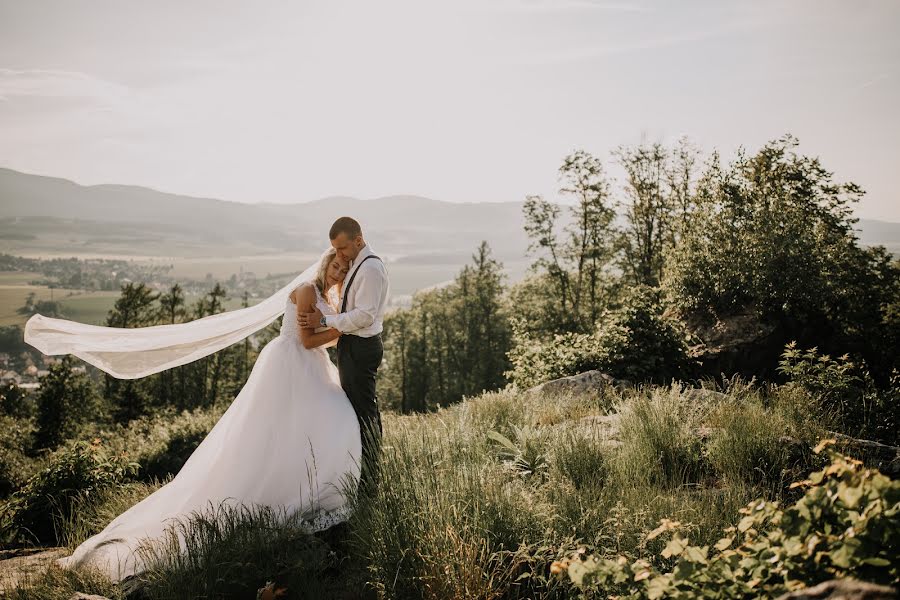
point(872, 232)
point(48, 214)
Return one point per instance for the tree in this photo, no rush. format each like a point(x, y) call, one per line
point(66, 400)
point(772, 234)
point(451, 343)
point(574, 265)
point(659, 202)
point(133, 308)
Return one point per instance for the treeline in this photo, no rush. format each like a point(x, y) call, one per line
point(69, 399)
point(626, 280)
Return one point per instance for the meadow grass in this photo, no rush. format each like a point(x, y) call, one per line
point(458, 514)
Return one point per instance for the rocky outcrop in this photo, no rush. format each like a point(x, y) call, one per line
point(589, 382)
point(740, 343)
point(883, 457)
point(18, 565)
point(843, 589)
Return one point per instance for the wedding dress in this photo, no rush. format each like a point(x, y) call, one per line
point(289, 439)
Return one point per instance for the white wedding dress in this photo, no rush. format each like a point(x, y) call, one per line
point(290, 440)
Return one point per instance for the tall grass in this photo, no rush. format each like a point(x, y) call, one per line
point(455, 515)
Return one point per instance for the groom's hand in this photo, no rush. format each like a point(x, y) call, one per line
point(309, 320)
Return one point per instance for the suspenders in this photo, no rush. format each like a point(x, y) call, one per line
point(352, 277)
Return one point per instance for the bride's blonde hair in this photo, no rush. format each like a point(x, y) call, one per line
point(323, 270)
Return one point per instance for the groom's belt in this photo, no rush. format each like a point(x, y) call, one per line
point(360, 337)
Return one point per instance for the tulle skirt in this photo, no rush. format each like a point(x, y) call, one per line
point(290, 441)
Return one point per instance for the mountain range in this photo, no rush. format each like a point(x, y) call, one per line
point(42, 215)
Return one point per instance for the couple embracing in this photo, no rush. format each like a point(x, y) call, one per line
point(302, 435)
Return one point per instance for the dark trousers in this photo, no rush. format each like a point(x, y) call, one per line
point(358, 359)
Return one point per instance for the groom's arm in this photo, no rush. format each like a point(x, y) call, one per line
point(369, 295)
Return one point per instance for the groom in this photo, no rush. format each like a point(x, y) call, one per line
point(359, 349)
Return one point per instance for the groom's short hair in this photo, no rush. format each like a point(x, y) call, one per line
point(345, 225)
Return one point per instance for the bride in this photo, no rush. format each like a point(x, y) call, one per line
point(289, 439)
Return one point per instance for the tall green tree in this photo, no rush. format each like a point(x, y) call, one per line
point(66, 400)
point(573, 262)
point(135, 307)
point(452, 342)
point(659, 200)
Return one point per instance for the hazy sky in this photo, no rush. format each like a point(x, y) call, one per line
point(460, 100)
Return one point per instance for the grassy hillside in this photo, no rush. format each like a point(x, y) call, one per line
point(478, 500)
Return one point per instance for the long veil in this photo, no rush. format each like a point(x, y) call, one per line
point(134, 353)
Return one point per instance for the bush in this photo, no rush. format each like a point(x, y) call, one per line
point(635, 342)
point(845, 525)
point(185, 434)
point(15, 465)
point(660, 445)
point(67, 399)
point(846, 391)
point(35, 512)
point(162, 442)
point(750, 445)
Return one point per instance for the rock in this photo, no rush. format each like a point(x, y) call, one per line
point(589, 382)
point(739, 343)
point(17, 565)
point(883, 457)
point(843, 589)
point(701, 395)
point(83, 596)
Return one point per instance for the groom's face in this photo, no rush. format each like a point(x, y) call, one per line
point(347, 248)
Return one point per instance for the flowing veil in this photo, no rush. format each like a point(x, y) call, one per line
point(134, 353)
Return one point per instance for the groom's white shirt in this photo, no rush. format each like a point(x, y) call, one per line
point(367, 298)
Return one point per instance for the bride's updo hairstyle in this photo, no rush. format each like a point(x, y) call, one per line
point(323, 270)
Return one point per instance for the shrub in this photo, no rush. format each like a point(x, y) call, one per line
point(34, 512)
point(635, 342)
point(750, 445)
point(846, 390)
point(660, 445)
point(15, 465)
point(845, 525)
point(66, 400)
point(162, 442)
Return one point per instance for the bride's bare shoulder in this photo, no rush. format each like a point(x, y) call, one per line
point(303, 292)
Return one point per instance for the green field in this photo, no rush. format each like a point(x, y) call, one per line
point(86, 307)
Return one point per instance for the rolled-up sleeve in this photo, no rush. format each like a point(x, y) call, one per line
point(369, 284)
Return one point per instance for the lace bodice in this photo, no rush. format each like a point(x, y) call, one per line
point(289, 320)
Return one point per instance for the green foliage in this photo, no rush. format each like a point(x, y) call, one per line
point(574, 262)
point(15, 464)
point(162, 442)
point(847, 392)
point(660, 445)
point(659, 202)
point(35, 511)
point(634, 342)
point(451, 343)
point(66, 400)
point(752, 444)
point(14, 402)
point(847, 524)
point(526, 455)
point(184, 435)
point(773, 233)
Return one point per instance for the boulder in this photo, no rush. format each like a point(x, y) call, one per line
point(883, 457)
point(589, 382)
point(739, 343)
point(843, 589)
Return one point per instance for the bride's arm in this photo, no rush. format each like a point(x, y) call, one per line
point(305, 298)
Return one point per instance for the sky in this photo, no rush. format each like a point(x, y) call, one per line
point(460, 100)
